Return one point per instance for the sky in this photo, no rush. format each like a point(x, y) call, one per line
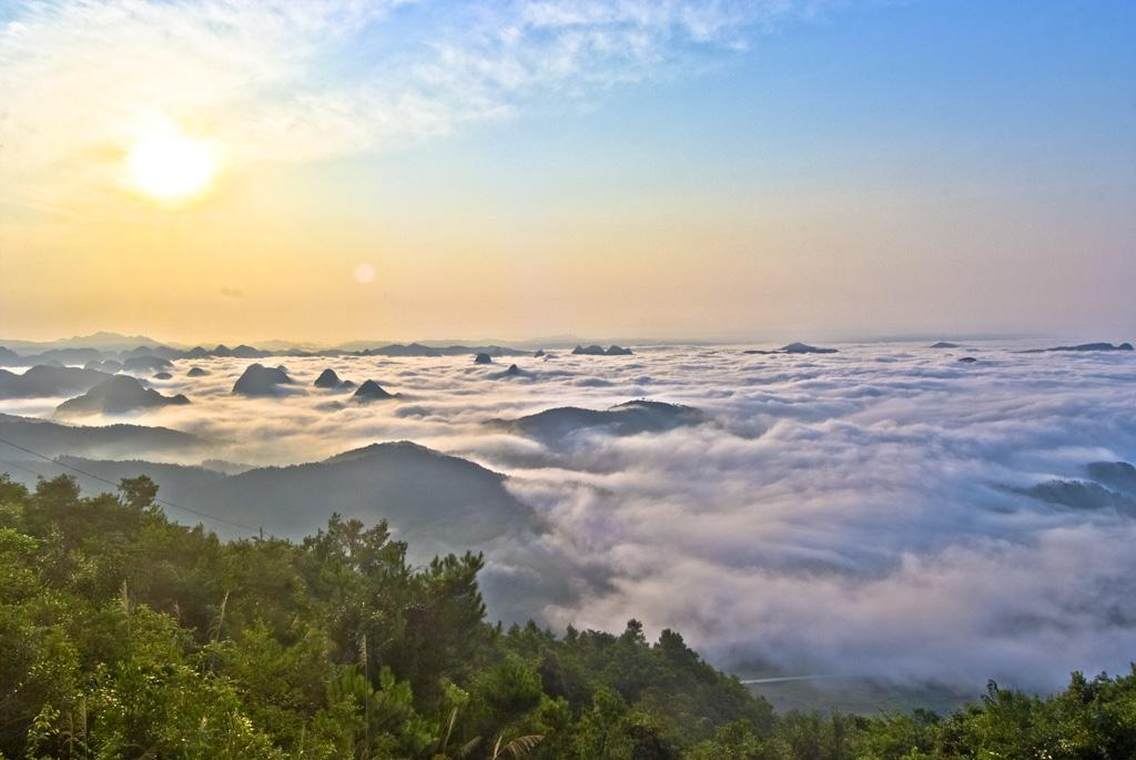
point(779, 169)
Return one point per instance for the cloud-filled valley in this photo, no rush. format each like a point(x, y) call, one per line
point(874, 511)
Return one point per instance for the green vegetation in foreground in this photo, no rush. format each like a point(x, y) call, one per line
point(123, 635)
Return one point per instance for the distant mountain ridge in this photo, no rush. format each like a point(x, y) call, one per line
point(55, 438)
point(1082, 347)
point(99, 341)
point(21, 353)
point(101, 350)
point(598, 350)
point(629, 418)
point(794, 348)
point(45, 380)
point(437, 501)
point(419, 349)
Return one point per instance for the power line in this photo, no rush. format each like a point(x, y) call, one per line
point(24, 467)
point(112, 484)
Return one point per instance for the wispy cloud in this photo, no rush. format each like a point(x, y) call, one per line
point(285, 81)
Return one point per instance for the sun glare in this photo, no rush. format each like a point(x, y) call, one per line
point(169, 166)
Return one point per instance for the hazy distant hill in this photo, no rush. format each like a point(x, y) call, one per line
point(629, 418)
point(52, 439)
point(419, 349)
point(9, 358)
point(118, 394)
point(44, 380)
point(1110, 486)
point(435, 501)
point(101, 341)
point(795, 348)
point(178, 482)
point(1082, 347)
point(144, 355)
point(258, 380)
point(598, 350)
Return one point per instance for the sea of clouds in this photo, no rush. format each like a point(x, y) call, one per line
point(857, 513)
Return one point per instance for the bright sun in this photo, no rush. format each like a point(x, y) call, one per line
point(170, 166)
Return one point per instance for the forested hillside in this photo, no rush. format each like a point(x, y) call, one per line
point(123, 634)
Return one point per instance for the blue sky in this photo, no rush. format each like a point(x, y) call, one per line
point(968, 91)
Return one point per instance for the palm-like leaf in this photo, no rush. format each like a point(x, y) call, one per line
point(517, 748)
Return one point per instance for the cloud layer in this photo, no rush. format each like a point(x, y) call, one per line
point(855, 513)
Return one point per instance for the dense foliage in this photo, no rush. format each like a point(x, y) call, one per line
point(123, 634)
